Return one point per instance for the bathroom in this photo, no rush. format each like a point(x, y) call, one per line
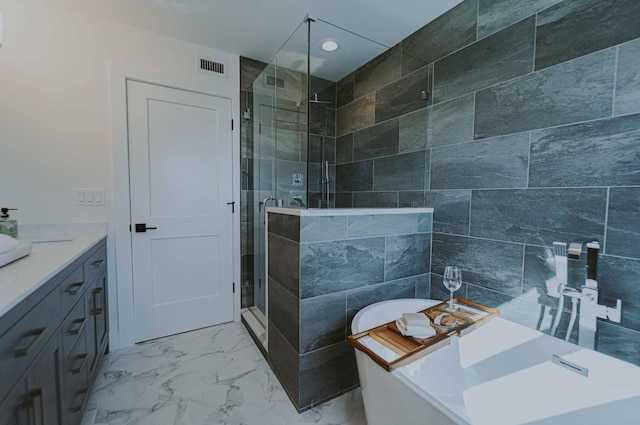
point(531, 139)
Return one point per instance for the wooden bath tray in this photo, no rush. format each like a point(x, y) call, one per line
point(390, 349)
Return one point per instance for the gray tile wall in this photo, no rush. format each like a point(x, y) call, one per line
point(531, 135)
point(322, 271)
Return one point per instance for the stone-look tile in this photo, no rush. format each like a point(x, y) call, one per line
point(322, 321)
point(623, 223)
point(322, 118)
point(357, 299)
point(250, 70)
point(413, 131)
point(450, 122)
point(618, 342)
point(284, 266)
point(378, 72)
point(284, 184)
point(354, 177)
point(540, 268)
point(520, 311)
point(378, 140)
point(578, 90)
point(289, 144)
point(344, 90)
point(500, 162)
point(500, 57)
point(285, 362)
point(284, 313)
point(627, 99)
point(285, 225)
point(323, 228)
point(437, 291)
point(375, 200)
point(411, 199)
point(540, 216)
point(597, 153)
point(446, 34)
point(450, 210)
point(425, 222)
point(344, 149)
point(618, 279)
point(326, 373)
point(316, 146)
point(400, 172)
point(327, 267)
point(356, 115)
point(260, 174)
point(490, 264)
point(402, 96)
point(344, 200)
point(411, 64)
point(494, 15)
point(367, 226)
point(423, 286)
point(407, 255)
point(575, 28)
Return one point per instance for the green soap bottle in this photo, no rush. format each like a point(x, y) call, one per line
point(8, 226)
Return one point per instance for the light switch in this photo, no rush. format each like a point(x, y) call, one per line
point(89, 197)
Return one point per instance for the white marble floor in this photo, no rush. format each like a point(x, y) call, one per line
point(209, 376)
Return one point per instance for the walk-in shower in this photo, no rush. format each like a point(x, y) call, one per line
point(292, 121)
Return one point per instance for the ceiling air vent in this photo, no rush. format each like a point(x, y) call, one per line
point(210, 66)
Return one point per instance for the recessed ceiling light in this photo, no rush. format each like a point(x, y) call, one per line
point(329, 45)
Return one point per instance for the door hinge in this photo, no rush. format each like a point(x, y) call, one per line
point(129, 228)
point(234, 287)
point(231, 125)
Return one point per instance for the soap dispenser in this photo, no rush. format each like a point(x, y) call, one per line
point(7, 225)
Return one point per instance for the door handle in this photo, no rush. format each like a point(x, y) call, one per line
point(142, 228)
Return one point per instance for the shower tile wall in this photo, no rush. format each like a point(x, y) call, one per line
point(322, 271)
point(282, 150)
point(530, 135)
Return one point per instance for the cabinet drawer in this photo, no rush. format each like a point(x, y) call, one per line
point(95, 264)
point(72, 289)
point(22, 342)
point(75, 383)
point(73, 328)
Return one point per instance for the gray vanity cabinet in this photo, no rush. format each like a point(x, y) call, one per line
point(51, 344)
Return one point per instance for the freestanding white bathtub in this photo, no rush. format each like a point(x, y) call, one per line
point(500, 374)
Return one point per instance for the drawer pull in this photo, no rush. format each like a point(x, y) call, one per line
point(78, 407)
point(36, 407)
point(35, 334)
point(80, 323)
point(97, 263)
point(83, 360)
point(74, 288)
point(97, 305)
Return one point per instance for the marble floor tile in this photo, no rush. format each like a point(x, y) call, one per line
point(214, 375)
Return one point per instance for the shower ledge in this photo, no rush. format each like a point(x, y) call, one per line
point(347, 211)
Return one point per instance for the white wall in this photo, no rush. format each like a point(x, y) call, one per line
point(55, 107)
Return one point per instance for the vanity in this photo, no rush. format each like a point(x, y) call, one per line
point(53, 330)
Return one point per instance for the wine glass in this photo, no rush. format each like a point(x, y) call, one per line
point(452, 280)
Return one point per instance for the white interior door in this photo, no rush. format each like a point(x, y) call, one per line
point(180, 164)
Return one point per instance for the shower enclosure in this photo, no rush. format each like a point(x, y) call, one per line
point(291, 121)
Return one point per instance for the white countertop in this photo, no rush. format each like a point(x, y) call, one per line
point(22, 277)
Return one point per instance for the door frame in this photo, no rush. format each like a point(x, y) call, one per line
point(122, 318)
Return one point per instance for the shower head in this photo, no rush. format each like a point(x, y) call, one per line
point(314, 99)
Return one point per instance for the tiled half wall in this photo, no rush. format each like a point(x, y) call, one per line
point(324, 266)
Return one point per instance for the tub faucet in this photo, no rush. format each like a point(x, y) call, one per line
point(590, 310)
